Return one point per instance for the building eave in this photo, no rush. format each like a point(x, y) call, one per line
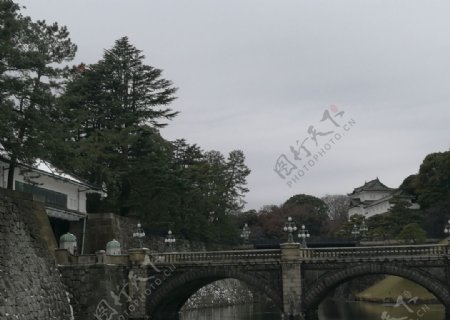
point(65, 214)
point(85, 185)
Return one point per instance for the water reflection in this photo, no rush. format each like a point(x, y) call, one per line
point(240, 312)
point(338, 310)
point(328, 310)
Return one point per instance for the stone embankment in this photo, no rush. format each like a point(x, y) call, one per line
point(30, 286)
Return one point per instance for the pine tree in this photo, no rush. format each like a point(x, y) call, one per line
point(29, 81)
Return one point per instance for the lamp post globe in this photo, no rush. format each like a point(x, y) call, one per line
point(289, 228)
point(355, 231)
point(139, 234)
point(245, 234)
point(363, 229)
point(303, 234)
point(170, 240)
point(447, 231)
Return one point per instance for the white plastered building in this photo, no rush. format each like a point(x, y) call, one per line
point(374, 198)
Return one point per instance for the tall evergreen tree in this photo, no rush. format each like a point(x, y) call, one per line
point(109, 106)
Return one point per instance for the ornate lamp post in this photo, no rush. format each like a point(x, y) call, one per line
point(170, 240)
point(355, 231)
point(303, 234)
point(447, 231)
point(139, 234)
point(363, 229)
point(245, 233)
point(360, 232)
point(290, 227)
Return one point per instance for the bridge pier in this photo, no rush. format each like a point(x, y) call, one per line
point(291, 281)
point(137, 283)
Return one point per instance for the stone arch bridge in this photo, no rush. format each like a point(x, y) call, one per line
point(142, 285)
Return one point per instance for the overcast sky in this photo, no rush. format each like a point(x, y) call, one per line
point(255, 75)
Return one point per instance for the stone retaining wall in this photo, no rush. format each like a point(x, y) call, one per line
point(91, 286)
point(30, 285)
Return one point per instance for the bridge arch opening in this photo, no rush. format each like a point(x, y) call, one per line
point(319, 290)
point(227, 297)
point(167, 301)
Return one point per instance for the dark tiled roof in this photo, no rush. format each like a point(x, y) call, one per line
point(373, 185)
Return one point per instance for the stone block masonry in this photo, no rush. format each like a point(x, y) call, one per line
point(30, 285)
point(90, 284)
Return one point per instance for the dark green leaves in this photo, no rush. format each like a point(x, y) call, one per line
point(30, 80)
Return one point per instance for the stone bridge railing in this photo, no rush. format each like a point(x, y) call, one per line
point(404, 252)
point(236, 257)
point(220, 257)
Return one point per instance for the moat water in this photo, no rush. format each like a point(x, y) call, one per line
point(328, 310)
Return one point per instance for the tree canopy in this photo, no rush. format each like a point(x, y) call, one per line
point(304, 199)
point(31, 71)
point(412, 233)
point(432, 184)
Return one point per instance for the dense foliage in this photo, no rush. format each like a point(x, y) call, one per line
point(268, 223)
point(31, 54)
point(412, 233)
point(431, 186)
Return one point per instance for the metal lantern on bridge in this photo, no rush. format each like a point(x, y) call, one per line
point(355, 231)
point(139, 234)
point(245, 233)
point(170, 240)
point(447, 230)
point(363, 229)
point(303, 234)
point(113, 247)
point(290, 227)
point(69, 242)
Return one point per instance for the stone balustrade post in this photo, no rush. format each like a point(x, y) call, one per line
point(137, 281)
point(137, 256)
point(101, 254)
